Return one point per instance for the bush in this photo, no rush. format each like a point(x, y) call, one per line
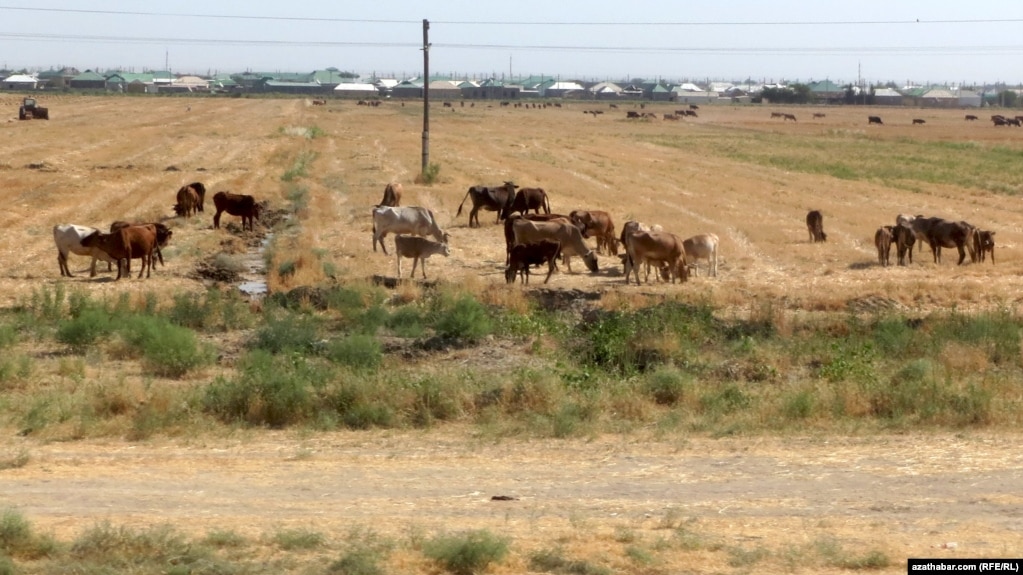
point(286, 331)
point(357, 352)
point(84, 330)
point(168, 350)
point(430, 175)
point(467, 554)
point(17, 539)
point(666, 386)
point(357, 562)
point(268, 390)
point(465, 319)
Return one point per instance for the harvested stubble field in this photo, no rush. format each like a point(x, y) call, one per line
point(773, 504)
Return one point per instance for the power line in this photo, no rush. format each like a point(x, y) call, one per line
point(521, 22)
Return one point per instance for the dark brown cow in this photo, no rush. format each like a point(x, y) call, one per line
point(125, 244)
point(986, 243)
point(815, 226)
point(874, 120)
point(919, 121)
point(528, 199)
point(533, 254)
point(509, 231)
point(789, 117)
point(597, 223)
point(489, 198)
point(237, 205)
point(970, 117)
point(940, 233)
point(187, 202)
point(904, 240)
point(200, 190)
point(883, 242)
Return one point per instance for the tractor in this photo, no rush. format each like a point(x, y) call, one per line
point(29, 110)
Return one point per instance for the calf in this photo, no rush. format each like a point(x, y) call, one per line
point(815, 226)
point(237, 205)
point(532, 254)
point(986, 245)
point(883, 241)
point(187, 202)
point(702, 247)
point(405, 220)
point(200, 191)
point(418, 249)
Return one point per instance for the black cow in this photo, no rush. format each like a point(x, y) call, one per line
point(874, 120)
point(236, 205)
point(489, 198)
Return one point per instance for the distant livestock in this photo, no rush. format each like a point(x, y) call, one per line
point(919, 121)
point(970, 117)
point(874, 120)
point(986, 245)
point(815, 226)
point(883, 242)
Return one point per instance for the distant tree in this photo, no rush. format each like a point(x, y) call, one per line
point(794, 94)
point(1007, 99)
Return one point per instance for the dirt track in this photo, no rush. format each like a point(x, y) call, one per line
point(906, 495)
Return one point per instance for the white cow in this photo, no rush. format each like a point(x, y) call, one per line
point(702, 247)
point(418, 249)
point(68, 238)
point(404, 220)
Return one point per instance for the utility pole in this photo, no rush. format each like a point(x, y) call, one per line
point(426, 95)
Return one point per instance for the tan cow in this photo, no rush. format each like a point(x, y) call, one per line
point(571, 239)
point(597, 223)
point(883, 242)
point(656, 248)
point(702, 247)
point(392, 195)
point(417, 248)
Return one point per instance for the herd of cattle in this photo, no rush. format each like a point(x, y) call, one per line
point(127, 241)
point(935, 232)
point(541, 237)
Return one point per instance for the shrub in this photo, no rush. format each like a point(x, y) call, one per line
point(8, 335)
point(268, 390)
point(292, 539)
point(286, 331)
point(357, 562)
point(465, 319)
point(356, 351)
point(406, 321)
point(666, 386)
point(468, 553)
point(430, 175)
point(17, 539)
point(168, 350)
point(84, 330)
point(554, 561)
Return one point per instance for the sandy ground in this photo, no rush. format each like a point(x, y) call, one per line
point(103, 159)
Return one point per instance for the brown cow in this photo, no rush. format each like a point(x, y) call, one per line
point(187, 202)
point(657, 248)
point(815, 226)
point(986, 245)
point(237, 205)
point(163, 235)
point(571, 239)
point(125, 244)
point(509, 232)
point(883, 241)
point(200, 191)
point(904, 239)
point(597, 223)
point(392, 195)
point(940, 233)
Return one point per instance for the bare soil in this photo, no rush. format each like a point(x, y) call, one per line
point(108, 158)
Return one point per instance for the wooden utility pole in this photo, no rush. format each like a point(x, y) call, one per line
point(426, 95)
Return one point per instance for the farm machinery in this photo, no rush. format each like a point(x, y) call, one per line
point(30, 109)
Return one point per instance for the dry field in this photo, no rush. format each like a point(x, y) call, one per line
point(107, 158)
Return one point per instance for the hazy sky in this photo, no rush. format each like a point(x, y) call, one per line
point(899, 40)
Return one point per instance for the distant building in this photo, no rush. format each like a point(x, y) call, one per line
point(20, 82)
point(88, 80)
point(356, 90)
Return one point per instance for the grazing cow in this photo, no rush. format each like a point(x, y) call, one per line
point(632, 114)
point(200, 191)
point(815, 226)
point(509, 232)
point(597, 223)
point(970, 117)
point(489, 198)
point(125, 244)
point(789, 117)
point(418, 249)
point(702, 247)
point(998, 120)
point(528, 199)
point(883, 241)
point(237, 205)
point(163, 235)
point(819, 115)
point(187, 202)
point(939, 233)
point(405, 220)
point(68, 238)
point(986, 245)
point(874, 120)
point(1013, 122)
point(631, 227)
point(533, 254)
point(569, 236)
point(904, 239)
point(777, 115)
point(918, 121)
point(392, 195)
point(658, 248)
